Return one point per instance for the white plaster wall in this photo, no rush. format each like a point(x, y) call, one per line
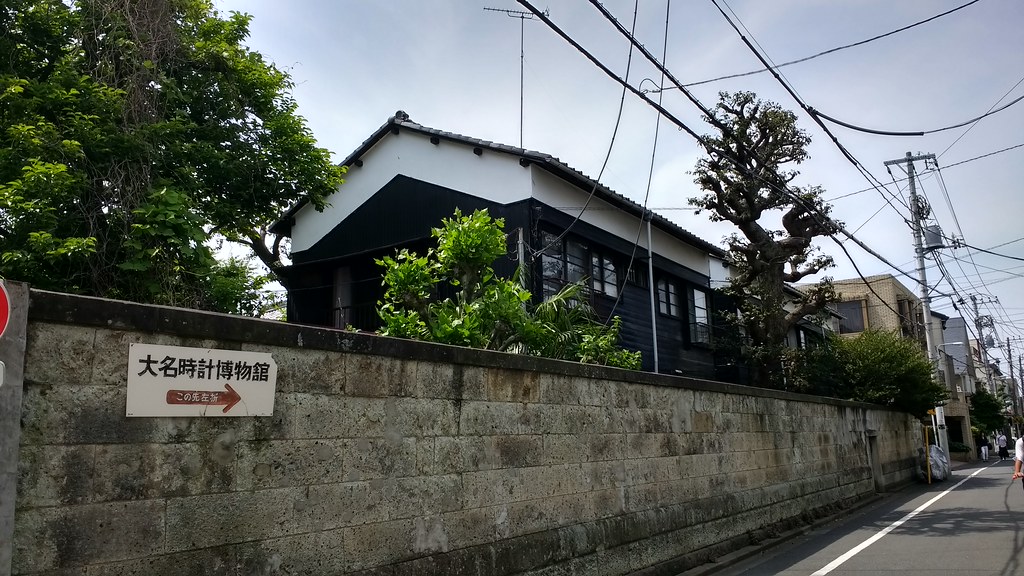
point(569, 199)
point(493, 175)
point(721, 272)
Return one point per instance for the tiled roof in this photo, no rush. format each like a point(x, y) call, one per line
point(401, 121)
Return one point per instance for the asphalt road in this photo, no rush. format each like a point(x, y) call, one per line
point(972, 524)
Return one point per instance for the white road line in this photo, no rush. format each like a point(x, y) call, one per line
point(856, 550)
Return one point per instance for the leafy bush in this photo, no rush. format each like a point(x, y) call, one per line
point(489, 312)
point(877, 367)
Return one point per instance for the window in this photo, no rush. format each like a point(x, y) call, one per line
point(570, 260)
point(637, 274)
point(700, 328)
point(852, 313)
point(603, 275)
point(668, 297)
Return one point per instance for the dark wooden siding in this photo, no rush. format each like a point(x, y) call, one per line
point(676, 354)
point(402, 214)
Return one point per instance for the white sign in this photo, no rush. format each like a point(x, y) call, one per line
point(180, 381)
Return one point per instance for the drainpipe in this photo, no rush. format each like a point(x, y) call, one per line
point(648, 215)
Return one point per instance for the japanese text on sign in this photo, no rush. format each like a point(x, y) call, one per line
point(205, 369)
point(183, 381)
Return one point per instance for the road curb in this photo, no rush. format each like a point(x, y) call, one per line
point(751, 550)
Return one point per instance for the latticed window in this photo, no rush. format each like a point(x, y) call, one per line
point(569, 260)
point(700, 327)
point(668, 297)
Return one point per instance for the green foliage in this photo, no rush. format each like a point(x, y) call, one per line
point(988, 412)
point(489, 312)
point(235, 287)
point(746, 177)
point(877, 367)
point(959, 447)
point(129, 137)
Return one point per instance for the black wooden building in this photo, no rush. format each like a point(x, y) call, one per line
point(406, 177)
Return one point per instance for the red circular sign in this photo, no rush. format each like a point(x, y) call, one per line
point(5, 309)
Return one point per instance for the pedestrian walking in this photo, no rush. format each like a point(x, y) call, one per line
point(1001, 445)
point(1019, 458)
point(983, 448)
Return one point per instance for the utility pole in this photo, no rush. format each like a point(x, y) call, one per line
point(523, 17)
point(919, 211)
point(1013, 385)
point(981, 344)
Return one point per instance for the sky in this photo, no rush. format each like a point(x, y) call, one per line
point(454, 66)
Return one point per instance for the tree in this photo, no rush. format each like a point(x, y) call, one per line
point(134, 131)
point(488, 311)
point(875, 366)
point(988, 413)
point(746, 182)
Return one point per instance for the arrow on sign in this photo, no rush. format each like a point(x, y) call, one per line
point(227, 399)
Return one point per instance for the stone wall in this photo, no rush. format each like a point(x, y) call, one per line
point(393, 457)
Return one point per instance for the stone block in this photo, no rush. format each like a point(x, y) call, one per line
point(641, 497)
point(59, 354)
point(434, 380)
point(524, 553)
point(605, 446)
point(425, 457)
point(145, 471)
point(219, 561)
point(332, 506)
point(565, 448)
point(491, 418)
point(490, 487)
point(518, 451)
point(55, 475)
point(548, 513)
point(81, 415)
point(110, 352)
point(557, 389)
point(280, 463)
point(703, 422)
point(548, 419)
point(313, 553)
point(379, 376)
point(653, 445)
point(421, 496)
point(306, 370)
point(462, 453)
point(475, 526)
point(597, 392)
point(605, 475)
point(383, 543)
point(512, 386)
point(369, 458)
point(319, 416)
point(72, 536)
point(214, 519)
point(421, 417)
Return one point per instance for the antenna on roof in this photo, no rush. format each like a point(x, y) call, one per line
point(523, 17)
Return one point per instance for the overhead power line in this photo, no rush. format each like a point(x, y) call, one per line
point(684, 127)
point(913, 132)
point(1007, 256)
point(861, 191)
point(826, 52)
point(971, 127)
point(611, 144)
